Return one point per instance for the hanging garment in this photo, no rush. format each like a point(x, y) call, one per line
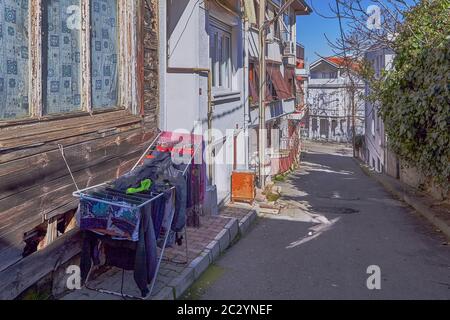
point(162, 172)
point(108, 219)
point(169, 211)
point(140, 256)
point(145, 186)
point(196, 189)
point(158, 211)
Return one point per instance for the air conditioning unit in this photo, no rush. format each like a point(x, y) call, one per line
point(289, 49)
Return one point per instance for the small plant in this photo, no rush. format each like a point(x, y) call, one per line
point(273, 197)
point(280, 178)
point(270, 195)
point(36, 295)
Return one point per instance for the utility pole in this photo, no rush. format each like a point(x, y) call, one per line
point(353, 121)
point(262, 136)
point(262, 94)
point(352, 90)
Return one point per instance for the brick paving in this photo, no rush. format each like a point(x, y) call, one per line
point(176, 273)
point(238, 211)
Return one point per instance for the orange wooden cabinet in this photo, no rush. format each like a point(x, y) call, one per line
point(243, 186)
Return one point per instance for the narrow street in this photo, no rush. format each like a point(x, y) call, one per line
point(344, 223)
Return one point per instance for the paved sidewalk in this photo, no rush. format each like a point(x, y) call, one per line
point(205, 245)
point(436, 213)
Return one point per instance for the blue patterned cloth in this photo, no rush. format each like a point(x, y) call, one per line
point(62, 31)
point(113, 220)
point(61, 24)
point(14, 59)
point(104, 51)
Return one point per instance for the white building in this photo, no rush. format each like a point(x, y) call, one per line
point(281, 99)
point(205, 42)
point(216, 41)
point(330, 104)
point(375, 138)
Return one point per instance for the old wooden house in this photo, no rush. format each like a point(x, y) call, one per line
point(78, 73)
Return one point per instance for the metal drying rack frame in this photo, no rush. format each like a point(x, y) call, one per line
point(83, 194)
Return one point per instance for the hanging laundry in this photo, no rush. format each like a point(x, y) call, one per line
point(196, 185)
point(162, 172)
point(169, 211)
point(140, 255)
point(145, 186)
point(116, 221)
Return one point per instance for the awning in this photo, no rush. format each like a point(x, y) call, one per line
point(282, 90)
point(253, 83)
point(289, 75)
point(224, 12)
point(269, 96)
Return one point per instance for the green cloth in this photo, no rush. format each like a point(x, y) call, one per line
point(145, 186)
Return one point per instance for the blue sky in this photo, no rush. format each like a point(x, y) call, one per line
point(311, 30)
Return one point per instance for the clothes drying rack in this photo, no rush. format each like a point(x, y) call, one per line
point(91, 194)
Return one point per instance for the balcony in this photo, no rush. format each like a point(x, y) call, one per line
point(302, 73)
point(289, 53)
point(274, 109)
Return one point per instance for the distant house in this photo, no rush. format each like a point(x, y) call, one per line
point(329, 100)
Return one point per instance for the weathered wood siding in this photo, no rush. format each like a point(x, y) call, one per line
point(34, 182)
point(150, 41)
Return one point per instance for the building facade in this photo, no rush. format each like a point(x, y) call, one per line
point(330, 101)
point(377, 155)
point(216, 42)
point(282, 88)
point(82, 75)
point(203, 83)
point(94, 81)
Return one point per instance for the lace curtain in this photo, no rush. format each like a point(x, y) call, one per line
point(14, 57)
point(104, 59)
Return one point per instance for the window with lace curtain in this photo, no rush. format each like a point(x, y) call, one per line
point(14, 59)
point(77, 56)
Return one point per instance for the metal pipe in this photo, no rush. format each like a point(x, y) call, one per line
point(245, 80)
point(146, 152)
point(123, 205)
point(262, 94)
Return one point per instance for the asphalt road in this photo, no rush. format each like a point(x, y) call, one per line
point(355, 224)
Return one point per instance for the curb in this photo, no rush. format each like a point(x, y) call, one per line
point(417, 205)
point(247, 221)
point(178, 286)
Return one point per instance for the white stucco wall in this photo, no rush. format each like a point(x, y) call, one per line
point(375, 137)
point(186, 94)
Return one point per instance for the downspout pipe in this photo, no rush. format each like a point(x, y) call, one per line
point(195, 70)
point(245, 80)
